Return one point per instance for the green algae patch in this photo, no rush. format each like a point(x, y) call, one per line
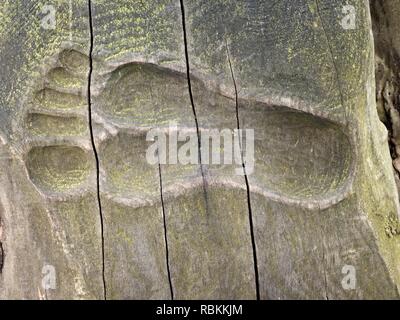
point(52, 126)
point(53, 99)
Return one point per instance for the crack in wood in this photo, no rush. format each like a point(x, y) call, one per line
point(1, 257)
point(192, 103)
point(165, 234)
point(94, 146)
point(250, 212)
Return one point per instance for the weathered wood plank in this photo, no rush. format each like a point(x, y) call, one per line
point(150, 90)
point(321, 197)
point(286, 57)
point(50, 221)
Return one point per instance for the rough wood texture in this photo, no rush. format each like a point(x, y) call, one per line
point(386, 28)
point(77, 193)
point(48, 190)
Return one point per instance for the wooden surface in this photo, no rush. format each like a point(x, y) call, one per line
point(77, 192)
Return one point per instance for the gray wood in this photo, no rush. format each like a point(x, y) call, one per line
point(111, 225)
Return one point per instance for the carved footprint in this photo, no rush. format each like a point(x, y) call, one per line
point(300, 158)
